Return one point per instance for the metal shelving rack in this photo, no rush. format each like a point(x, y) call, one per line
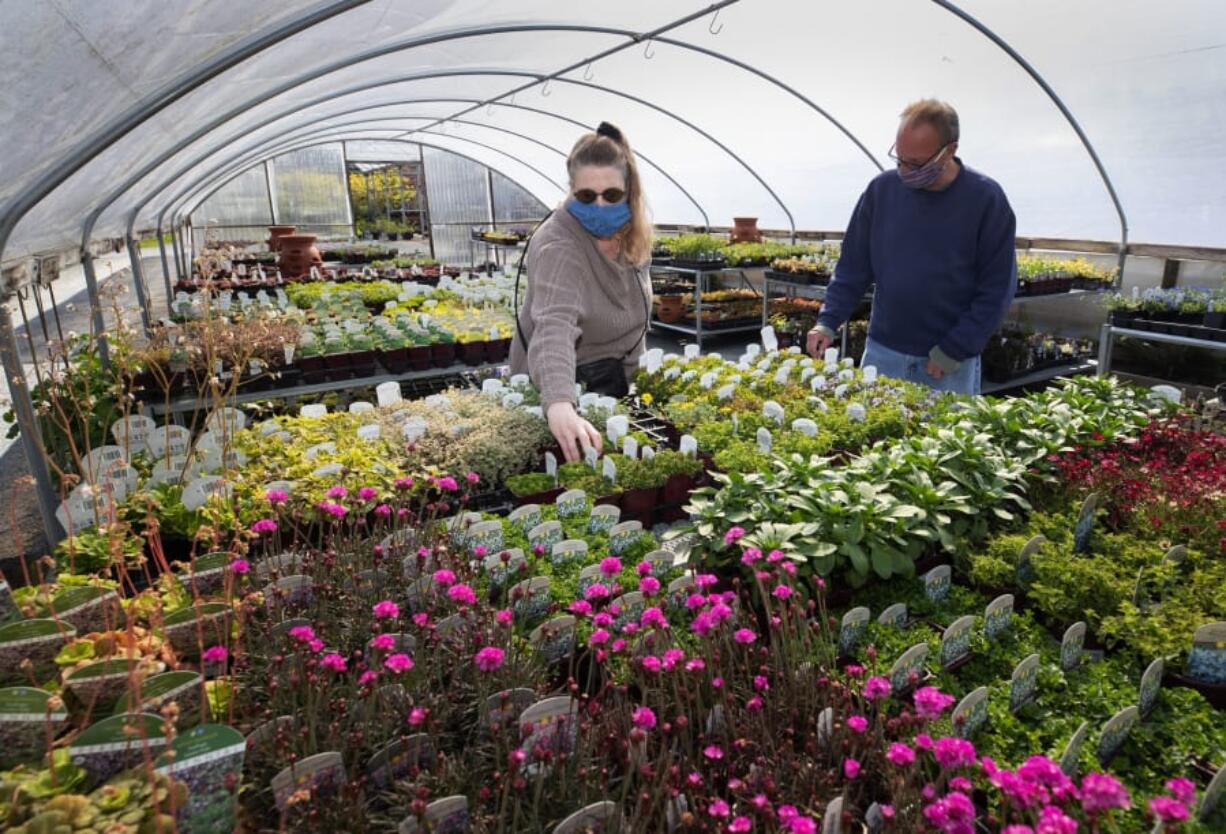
point(475, 238)
point(1109, 332)
point(701, 277)
point(795, 290)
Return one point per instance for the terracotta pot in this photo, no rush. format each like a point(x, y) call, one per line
point(670, 308)
point(298, 255)
point(275, 233)
point(745, 230)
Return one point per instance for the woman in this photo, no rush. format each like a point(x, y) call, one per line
point(589, 294)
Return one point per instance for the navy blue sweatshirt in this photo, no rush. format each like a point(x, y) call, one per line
point(943, 263)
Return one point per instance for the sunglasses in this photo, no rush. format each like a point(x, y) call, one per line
point(611, 195)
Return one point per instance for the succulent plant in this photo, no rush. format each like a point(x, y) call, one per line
point(130, 803)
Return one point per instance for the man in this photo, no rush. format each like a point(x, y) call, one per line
point(937, 240)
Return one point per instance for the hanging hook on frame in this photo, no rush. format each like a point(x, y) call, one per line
point(545, 88)
point(647, 53)
point(711, 28)
point(588, 75)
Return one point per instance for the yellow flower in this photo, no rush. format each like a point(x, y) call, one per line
point(646, 398)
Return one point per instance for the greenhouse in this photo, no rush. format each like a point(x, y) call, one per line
point(742, 416)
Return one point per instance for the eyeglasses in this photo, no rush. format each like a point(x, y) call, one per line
point(914, 165)
point(611, 195)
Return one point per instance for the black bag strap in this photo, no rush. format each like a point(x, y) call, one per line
point(519, 328)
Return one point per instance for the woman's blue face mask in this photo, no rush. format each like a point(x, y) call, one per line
point(601, 221)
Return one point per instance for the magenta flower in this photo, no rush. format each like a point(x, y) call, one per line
point(695, 664)
point(489, 659)
point(446, 484)
point(215, 654)
point(801, 825)
point(851, 768)
point(644, 718)
point(368, 677)
point(610, 566)
point(1043, 771)
point(264, 525)
point(337, 491)
point(417, 716)
point(960, 783)
point(1183, 790)
point(761, 683)
point(952, 752)
point(479, 551)
point(473, 478)
point(303, 634)
point(751, 555)
point(734, 534)
point(581, 608)
point(1102, 792)
point(718, 808)
point(672, 657)
point(901, 755)
point(276, 496)
point(1168, 809)
point(876, 688)
point(704, 624)
point(713, 752)
point(695, 601)
point(240, 566)
point(333, 661)
point(857, 723)
point(383, 510)
point(598, 638)
point(744, 636)
point(740, 825)
point(952, 814)
point(782, 592)
point(399, 663)
point(444, 577)
point(596, 590)
point(421, 619)
point(1052, 820)
point(653, 618)
point(649, 585)
point(404, 483)
point(643, 568)
point(368, 493)
point(504, 617)
point(602, 620)
point(462, 594)
point(1017, 829)
point(705, 580)
point(383, 642)
point(386, 610)
point(931, 702)
point(651, 663)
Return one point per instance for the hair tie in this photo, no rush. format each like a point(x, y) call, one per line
point(606, 129)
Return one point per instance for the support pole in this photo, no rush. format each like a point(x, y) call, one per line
point(95, 308)
point(165, 267)
point(27, 423)
point(138, 281)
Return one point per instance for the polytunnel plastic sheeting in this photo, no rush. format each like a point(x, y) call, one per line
point(1145, 83)
point(364, 28)
point(373, 151)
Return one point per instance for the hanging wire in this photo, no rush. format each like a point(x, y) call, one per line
point(545, 89)
point(712, 28)
point(588, 75)
point(55, 311)
point(647, 53)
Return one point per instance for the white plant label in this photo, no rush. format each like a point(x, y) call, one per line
point(688, 445)
point(764, 440)
point(707, 380)
point(672, 373)
point(630, 447)
point(840, 391)
point(370, 432)
point(770, 342)
point(781, 375)
point(551, 465)
point(806, 374)
point(805, 426)
point(818, 383)
point(831, 355)
point(648, 453)
point(512, 399)
point(772, 410)
point(361, 407)
point(617, 427)
point(692, 351)
point(590, 455)
point(847, 375)
point(609, 469)
point(752, 350)
point(491, 386)
point(314, 410)
point(870, 374)
point(520, 381)
point(725, 392)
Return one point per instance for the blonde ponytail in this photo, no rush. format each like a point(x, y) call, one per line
point(607, 147)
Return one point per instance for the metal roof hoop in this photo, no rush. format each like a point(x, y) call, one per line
point(1004, 45)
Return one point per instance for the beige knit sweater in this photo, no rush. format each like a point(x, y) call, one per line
point(579, 307)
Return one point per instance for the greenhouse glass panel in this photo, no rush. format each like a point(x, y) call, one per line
point(309, 189)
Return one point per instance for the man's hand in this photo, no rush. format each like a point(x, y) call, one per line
point(572, 432)
point(816, 343)
point(934, 370)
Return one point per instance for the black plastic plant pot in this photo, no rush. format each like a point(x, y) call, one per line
point(443, 354)
point(396, 360)
point(418, 357)
point(677, 489)
point(1123, 318)
point(472, 353)
point(1215, 320)
point(546, 497)
point(1214, 693)
point(498, 349)
point(637, 502)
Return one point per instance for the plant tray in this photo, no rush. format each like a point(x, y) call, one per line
point(705, 266)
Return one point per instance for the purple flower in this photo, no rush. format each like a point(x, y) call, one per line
point(489, 659)
point(644, 718)
point(851, 768)
point(337, 491)
point(734, 534)
point(953, 814)
point(610, 566)
point(399, 663)
point(718, 808)
point(240, 566)
point(901, 755)
point(744, 636)
point(649, 585)
point(504, 617)
point(264, 525)
point(1102, 792)
point(599, 637)
point(931, 702)
point(596, 590)
point(333, 661)
point(386, 610)
point(383, 510)
point(1054, 821)
point(782, 592)
point(581, 608)
point(651, 663)
point(713, 752)
point(1168, 809)
point(740, 825)
point(215, 654)
point(462, 594)
point(276, 496)
point(857, 723)
point(877, 688)
point(1183, 790)
point(368, 493)
point(446, 484)
point(954, 752)
point(383, 642)
point(444, 577)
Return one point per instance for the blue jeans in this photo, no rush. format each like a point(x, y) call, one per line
point(891, 363)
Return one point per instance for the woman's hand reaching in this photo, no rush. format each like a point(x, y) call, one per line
point(572, 432)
